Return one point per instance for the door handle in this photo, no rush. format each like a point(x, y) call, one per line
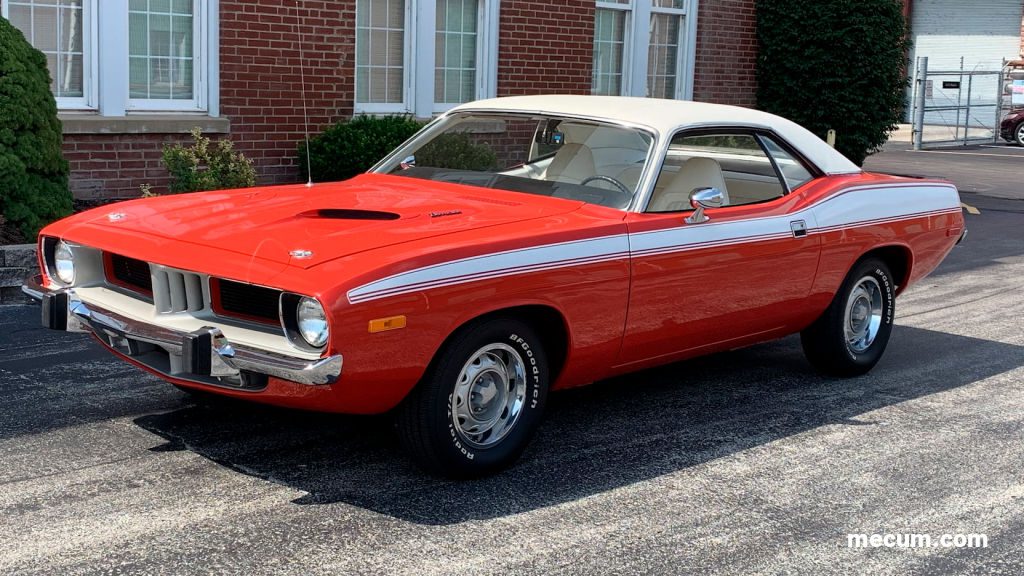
point(799, 228)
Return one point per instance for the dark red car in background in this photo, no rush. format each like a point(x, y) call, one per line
point(1012, 127)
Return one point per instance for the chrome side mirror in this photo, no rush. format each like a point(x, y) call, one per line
point(409, 162)
point(702, 198)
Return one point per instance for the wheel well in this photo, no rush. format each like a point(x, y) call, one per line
point(898, 259)
point(547, 321)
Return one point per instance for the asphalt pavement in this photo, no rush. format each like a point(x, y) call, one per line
point(740, 463)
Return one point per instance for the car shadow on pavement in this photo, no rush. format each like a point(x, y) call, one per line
point(594, 439)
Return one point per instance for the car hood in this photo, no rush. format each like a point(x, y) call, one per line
point(328, 220)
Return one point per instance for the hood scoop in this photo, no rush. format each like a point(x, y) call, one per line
point(349, 214)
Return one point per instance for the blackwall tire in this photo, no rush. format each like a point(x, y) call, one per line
point(1018, 135)
point(851, 335)
point(480, 403)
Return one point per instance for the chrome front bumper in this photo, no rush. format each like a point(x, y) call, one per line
point(204, 356)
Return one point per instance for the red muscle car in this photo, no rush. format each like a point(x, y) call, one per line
point(513, 247)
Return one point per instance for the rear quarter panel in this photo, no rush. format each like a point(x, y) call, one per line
point(859, 214)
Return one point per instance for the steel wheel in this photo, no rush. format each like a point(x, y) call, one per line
point(863, 314)
point(850, 336)
point(489, 395)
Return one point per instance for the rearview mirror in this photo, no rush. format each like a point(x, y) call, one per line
point(702, 198)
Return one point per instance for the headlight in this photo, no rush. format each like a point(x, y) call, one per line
point(64, 263)
point(312, 322)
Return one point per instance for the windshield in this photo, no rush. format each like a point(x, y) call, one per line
point(546, 155)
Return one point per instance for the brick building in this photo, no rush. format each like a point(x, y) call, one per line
point(133, 75)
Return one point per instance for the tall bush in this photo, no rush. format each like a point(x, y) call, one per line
point(207, 165)
point(349, 148)
point(837, 65)
point(33, 173)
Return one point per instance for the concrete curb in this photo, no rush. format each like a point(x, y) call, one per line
point(17, 262)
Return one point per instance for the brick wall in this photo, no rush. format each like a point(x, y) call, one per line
point(259, 92)
point(726, 58)
point(545, 47)
point(260, 80)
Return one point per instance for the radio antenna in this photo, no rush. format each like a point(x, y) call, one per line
point(302, 80)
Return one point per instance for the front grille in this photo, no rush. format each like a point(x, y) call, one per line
point(177, 291)
point(131, 273)
point(248, 301)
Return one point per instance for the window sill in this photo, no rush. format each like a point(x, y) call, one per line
point(77, 123)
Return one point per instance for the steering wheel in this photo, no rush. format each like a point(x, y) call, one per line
point(622, 187)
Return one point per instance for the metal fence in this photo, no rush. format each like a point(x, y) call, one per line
point(957, 107)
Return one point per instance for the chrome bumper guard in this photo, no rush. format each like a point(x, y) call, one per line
point(203, 356)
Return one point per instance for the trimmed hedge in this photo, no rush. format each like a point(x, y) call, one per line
point(349, 148)
point(837, 65)
point(33, 173)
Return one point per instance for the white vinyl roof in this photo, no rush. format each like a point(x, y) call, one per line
point(667, 116)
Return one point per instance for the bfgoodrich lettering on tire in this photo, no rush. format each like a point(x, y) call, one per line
point(851, 335)
point(480, 402)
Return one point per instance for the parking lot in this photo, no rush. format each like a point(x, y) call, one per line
point(741, 463)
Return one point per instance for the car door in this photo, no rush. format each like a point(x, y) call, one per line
point(741, 275)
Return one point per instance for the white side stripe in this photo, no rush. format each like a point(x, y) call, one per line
point(499, 264)
point(853, 207)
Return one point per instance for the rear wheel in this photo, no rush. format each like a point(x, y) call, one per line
point(851, 335)
point(480, 403)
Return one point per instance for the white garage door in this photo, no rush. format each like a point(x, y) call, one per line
point(983, 32)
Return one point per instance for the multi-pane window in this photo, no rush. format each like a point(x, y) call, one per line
point(161, 50)
point(380, 51)
point(455, 51)
point(643, 48)
point(609, 48)
point(56, 28)
point(424, 56)
point(119, 56)
point(663, 55)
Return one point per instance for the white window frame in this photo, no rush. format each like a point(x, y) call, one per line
point(105, 71)
point(200, 30)
point(637, 45)
point(627, 42)
point(90, 59)
point(687, 42)
point(419, 61)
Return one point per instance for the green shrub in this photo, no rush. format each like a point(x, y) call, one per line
point(349, 148)
point(834, 65)
point(33, 173)
point(457, 151)
point(207, 166)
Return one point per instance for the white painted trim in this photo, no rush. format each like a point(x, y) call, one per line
point(689, 59)
point(487, 34)
point(640, 48)
point(113, 53)
point(425, 33)
point(213, 58)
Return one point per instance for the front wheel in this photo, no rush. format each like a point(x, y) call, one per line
point(1018, 136)
point(851, 335)
point(480, 403)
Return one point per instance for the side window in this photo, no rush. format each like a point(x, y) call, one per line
point(794, 172)
point(736, 164)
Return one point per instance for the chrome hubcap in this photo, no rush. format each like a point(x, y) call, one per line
point(489, 395)
point(863, 314)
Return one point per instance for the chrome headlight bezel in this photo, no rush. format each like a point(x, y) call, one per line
point(311, 321)
point(64, 263)
point(305, 322)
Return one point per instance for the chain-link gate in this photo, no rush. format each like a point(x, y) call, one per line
point(957, 107)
